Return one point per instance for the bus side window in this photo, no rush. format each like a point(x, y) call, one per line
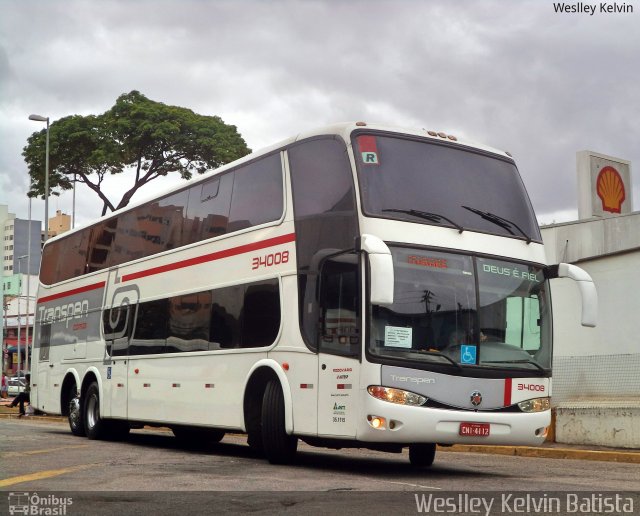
point(260, 318)
point(151, 328)
point(44, 341)
point(118, 323)
point(208, 209)
point(245, 316)
point(189, 322)
point(257, 193)
point(224, 330)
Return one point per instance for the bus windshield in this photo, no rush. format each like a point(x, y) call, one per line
point(435, 183)
point(465, 311)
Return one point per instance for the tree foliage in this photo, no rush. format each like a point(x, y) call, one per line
point(139, 134)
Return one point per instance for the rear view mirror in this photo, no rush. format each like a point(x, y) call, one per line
point(587, 289)
point(381, 268)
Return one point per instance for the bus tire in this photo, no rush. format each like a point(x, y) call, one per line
point(94, 425)
point(422, 455)
point(279, 448)
point(76, 421)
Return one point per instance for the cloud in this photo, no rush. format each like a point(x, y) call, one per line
point(514, 75)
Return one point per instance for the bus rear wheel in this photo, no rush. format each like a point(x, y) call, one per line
point(93, 423)
point(278, 447)
point(422, 455)
point(94, 426)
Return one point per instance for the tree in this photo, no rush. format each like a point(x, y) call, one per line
point(139, 134)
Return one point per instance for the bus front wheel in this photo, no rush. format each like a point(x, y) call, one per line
point(76, 421)
point(279, 448)
point(422, 455)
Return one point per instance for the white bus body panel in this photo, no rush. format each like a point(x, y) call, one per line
point(324, 394)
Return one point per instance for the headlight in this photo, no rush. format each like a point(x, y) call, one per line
point(536, 405)
point(396, 395)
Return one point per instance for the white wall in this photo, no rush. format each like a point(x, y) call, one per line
point(596, 379)
point(617, 279)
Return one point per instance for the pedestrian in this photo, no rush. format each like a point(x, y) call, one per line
point(4, 389)
point(23, 397)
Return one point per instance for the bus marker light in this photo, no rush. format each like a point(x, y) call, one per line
point(361, 124)
point(432, 133)
point(136, 370)
point(452, 138)
point(209, 386)
point(285, 366)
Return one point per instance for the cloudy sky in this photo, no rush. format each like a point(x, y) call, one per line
point(513, 74)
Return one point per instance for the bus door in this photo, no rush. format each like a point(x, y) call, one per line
point(339, 346)
point(118, 323)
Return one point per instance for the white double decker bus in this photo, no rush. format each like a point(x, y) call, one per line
point(356, 286)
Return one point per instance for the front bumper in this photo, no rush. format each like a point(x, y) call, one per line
point(406, 424)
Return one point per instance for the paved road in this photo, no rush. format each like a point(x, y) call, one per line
point(156, 471)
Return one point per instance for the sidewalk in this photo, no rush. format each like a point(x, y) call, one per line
point(549, 450)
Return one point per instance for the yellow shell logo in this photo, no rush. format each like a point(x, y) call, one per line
point(610, 189)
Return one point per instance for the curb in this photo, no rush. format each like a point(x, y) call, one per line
point(547, 453)
point(49, 419)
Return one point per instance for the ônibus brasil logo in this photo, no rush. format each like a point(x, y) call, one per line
point(41, 505)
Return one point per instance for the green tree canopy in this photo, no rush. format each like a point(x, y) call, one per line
point(139, 134)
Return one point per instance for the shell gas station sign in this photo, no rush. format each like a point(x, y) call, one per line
point(604, 185)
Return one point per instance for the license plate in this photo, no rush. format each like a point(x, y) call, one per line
point(474, 429)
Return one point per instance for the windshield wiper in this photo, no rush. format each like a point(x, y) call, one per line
point(427, 215)
point(440, 355)
point(499, 221)
point(530, 362)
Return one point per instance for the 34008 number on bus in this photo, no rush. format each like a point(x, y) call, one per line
point(269, 260)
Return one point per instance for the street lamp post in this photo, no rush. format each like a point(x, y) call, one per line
point(26, 363)
point(38, 118)
point(20, 258)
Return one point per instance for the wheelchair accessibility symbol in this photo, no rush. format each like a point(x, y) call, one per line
point(467, 354)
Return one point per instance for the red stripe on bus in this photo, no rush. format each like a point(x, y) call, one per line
point(507, 392)
point(78, 290)
point(234, 251)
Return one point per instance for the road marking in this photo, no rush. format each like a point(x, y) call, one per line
point(41, 474)
point(48, 450)
point(412, 485)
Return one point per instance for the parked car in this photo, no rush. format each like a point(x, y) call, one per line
point(15, 386)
